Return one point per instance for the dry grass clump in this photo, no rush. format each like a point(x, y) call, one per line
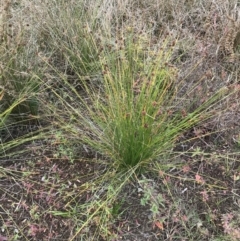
point(18, 64)
point(231, 39)
point(19, 76)
point(4, 16)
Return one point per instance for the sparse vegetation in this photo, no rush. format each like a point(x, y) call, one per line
point(119, 120)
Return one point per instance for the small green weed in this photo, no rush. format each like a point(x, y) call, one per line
point(116, 208)
point(151, 197)
point(64, 149)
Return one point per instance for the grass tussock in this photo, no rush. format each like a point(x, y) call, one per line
point(119, 120)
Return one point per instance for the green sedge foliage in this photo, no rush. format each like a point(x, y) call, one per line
point(132, 119)
point(138, 86)
point(130, 115)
